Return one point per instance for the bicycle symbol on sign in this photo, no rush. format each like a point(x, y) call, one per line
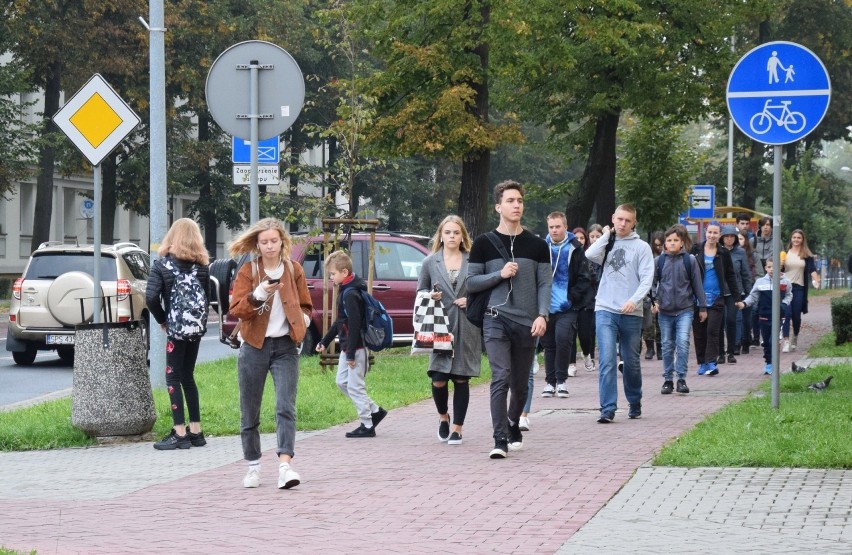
point(793, 122)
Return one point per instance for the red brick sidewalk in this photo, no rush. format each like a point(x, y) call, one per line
point(403, 492)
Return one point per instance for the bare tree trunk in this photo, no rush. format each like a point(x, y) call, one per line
point(207, 213)
point(295, 150)
point(109, 173)
point(597, 184)
point(474, 197)
point(46, 158)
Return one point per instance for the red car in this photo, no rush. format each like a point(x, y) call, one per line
point(396, 268)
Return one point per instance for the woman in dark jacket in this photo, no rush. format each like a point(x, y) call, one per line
point(742, 271)
point(182, 255)
point(717, 273)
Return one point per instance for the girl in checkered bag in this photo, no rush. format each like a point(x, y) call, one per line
point(443, 276)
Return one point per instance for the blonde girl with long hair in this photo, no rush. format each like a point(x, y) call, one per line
point(800, 269)
point(181, 254)
point(272, 301)
point(443, 277)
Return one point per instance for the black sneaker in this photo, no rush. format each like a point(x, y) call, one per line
point(635, 411)
point(516, 438)
point(732, 359)
point(362, 431)
point(606, 417)
point(198, 439)
point(668, 387)
point(681, 386)
point(454, 439)
point(444, 429)
point(621, 366)
point(720, 359)
point(378, 416)
point(173, 441)
point(744, 349)
point(501, 448)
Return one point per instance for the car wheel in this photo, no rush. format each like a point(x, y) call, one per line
point(66, 354)
point(223, 269)
point(309, 343)
point(25, 358)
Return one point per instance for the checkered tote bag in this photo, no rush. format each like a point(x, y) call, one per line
point(431, 326)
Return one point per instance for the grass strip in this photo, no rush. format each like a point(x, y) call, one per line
point(396, 379)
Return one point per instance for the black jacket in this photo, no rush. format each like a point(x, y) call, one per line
point(160, 282)
point(350, 319)
point(724, 269)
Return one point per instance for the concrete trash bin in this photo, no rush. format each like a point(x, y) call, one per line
point(111, 394)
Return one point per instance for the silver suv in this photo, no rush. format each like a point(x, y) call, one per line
point(56, 293)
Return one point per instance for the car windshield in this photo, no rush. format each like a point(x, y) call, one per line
point(54, 264)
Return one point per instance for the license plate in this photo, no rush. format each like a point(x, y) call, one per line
point(60, 340)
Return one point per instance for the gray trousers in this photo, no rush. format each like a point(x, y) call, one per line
point(510, 348)
point(279, 356)
point(351, 382)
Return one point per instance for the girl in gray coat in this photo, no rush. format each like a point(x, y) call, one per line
point(443, 276)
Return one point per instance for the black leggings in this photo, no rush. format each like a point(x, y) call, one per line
point(461, 395)
point(180, 381)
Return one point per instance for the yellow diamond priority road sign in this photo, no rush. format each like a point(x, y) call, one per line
point(96, 119)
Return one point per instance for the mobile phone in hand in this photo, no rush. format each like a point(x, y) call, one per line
point(273, 281)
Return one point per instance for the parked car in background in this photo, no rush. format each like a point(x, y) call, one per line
point(397, 261)
point(56, 292)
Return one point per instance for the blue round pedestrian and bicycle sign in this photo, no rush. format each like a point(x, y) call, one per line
point(778, 92)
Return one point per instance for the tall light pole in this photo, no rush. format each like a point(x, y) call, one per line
point(158, 207)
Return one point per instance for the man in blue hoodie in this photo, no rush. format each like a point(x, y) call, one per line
point(569, 287)
point(628, 272)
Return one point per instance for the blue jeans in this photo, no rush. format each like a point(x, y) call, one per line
point(675, 333)
point(627, 330)
point(794, 311)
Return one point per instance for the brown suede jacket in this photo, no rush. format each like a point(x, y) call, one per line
point(293, 291)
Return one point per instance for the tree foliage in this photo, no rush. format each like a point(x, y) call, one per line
point(655, 170)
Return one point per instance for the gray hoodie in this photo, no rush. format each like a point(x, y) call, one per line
point(627, 274)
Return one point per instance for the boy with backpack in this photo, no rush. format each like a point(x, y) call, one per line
point(761, 295)
point(349, 327)
point(676, 292)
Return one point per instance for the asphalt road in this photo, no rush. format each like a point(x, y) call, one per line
point(49, 376)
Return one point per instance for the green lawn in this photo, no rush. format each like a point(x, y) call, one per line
point(808, 430)
point(396, 379)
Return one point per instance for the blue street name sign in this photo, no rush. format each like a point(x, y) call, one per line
point(702, 202)
point(778, 92)
point(267, 151)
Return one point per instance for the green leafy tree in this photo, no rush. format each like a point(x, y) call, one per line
point(577, 66)
point(16, 147)
point(655, 170)
point(433, 89)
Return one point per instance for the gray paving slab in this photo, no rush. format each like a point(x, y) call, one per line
point(724, 510)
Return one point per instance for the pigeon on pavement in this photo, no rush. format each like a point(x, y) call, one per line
point(820, 386)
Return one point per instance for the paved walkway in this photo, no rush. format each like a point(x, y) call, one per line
point(576, 487)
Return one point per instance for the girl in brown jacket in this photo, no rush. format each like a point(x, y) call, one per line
point(271, 300)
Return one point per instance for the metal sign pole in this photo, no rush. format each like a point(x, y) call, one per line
point(776, 277)
point(254, 109)
point(96, 256)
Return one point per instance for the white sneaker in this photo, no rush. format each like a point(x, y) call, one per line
point(562, 390)
point(548, 391)
point(287, 477)
point(572, 370)
point(524, 423)
point(785, 346)
point(589, 363)
point(535, 365)
point(252, 479)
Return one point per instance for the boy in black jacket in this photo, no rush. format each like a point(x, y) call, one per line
point(352, 367)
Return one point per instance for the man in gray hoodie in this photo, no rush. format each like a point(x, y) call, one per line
point(628, 272)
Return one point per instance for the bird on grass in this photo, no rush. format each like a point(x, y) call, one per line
point(821, 386)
